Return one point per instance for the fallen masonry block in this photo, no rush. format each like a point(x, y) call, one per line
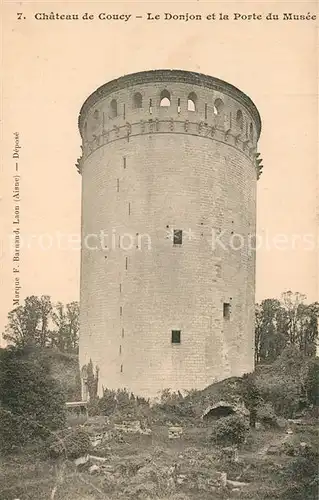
point(82, 460)
point(236, 484)
point(175, 432)
point(223, 478)
point(94, 458)
point(96, 441)
point(133, 426)
point(181, 479)
point(94, 469)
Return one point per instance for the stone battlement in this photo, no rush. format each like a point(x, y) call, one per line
point(169, 101)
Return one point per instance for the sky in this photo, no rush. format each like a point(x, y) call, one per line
point(50, 67)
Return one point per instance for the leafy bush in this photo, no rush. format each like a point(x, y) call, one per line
point(175, 404)
point(266, 415)
point(312, 382)
point(121, 401)
point(31, 400)
point(69, 443)
point(282, 391)
point(302, 476)
point(229, 430)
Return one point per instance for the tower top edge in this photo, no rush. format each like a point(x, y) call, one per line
point(170, 76)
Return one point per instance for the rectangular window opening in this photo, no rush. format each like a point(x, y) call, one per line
point(129, 209)
point(226, 310)
point(178, 105)
point(121, 311)
point(124, 111)
point(118, 185)
point(178, 237)
point(120, 287)
point(122, 332)
point(126, 262)
point(120, 349)
point(124, 161)
point(176, 336)
point(121, 368)
point(150, 107)
point(205, 111)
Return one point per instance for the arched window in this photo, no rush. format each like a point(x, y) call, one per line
point(96, 114)
point(218, 106)
point(191, 101)
point(137, 100)
point(165, 99)
point(113, 108)
point(240, 119)
point(251, 132)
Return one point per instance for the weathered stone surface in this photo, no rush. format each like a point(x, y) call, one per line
point(190, 178)
point(94, 469)
point(175, 432)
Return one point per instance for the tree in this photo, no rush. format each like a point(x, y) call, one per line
point(38, 323)
point(66, 319)
point(28, 324)
point(251, 397)
point(32, 404)
point(270, 338)
point(286, 322)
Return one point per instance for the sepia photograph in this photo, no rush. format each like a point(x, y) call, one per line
point(159, 250)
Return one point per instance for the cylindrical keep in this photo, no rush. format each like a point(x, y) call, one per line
point(169, 175)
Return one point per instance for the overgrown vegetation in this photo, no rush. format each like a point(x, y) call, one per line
point(32, 403)
point(40, 323)
point(68, 443)
point(285, 323)
point(276, 458)
point(229, 430)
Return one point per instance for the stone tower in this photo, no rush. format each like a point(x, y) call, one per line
point(169, 172)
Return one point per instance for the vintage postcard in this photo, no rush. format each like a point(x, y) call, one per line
point(159, 250)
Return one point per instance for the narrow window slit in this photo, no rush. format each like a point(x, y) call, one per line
point(226, 310)
point(176, 336)
point(178, 237)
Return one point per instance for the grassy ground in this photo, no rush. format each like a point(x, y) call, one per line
point(156, 467)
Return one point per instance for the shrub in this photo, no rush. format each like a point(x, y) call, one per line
point(94, 407)
point(107, 403)
point(122, 402)
point(229, 430)
point(69, 443)
point(312, 382)
point(282, 391)
point(266, 415)
point(31, 400)
point(174, 404)
point(301, 476)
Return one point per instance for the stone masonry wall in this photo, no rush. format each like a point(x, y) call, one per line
point(187, 170)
